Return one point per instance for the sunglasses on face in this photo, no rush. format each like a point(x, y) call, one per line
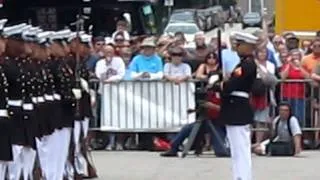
point(211, 57)
point(177, 54)
point(99, 44)
point(119, 40)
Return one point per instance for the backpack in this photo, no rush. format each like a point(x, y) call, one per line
point(280, 148)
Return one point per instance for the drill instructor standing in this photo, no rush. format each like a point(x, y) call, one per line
point(236, 111)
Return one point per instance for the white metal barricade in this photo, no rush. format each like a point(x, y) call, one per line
point(146, 105)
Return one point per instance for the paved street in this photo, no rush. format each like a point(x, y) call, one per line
point(149, 166)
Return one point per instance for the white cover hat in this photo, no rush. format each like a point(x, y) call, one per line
point(245, 37)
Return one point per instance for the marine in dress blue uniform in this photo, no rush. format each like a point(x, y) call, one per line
point(236, 111)
point(5, 123)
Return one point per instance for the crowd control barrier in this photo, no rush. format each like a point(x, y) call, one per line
point(161, 106)
point(133, 106)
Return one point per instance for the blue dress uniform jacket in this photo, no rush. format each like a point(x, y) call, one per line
point(5, 123)
point(236, 110)
point(64, 82)
point(51, 90)
point(41, 110)
point(28, 106)
point(17, 81)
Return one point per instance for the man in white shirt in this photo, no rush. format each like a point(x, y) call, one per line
point(111, 68)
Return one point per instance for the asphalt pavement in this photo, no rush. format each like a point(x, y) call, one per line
point(131, 165)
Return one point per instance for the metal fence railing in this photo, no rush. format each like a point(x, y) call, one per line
point(161, 106)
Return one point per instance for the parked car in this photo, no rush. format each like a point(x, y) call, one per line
point(252, 19)
point(210, 18)
point(189, 30)
point(183, 15)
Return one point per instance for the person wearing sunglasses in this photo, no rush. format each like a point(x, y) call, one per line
point(176, 71)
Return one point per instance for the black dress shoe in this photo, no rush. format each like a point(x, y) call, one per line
point(222, 155)
point(169, 154)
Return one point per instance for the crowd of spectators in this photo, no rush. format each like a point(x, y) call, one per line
point(122, 57)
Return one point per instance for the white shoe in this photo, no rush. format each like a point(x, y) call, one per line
point(109, 148)
point(119, 147)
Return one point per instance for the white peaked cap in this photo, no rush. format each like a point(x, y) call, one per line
point(108, 40)
point(85, 38)
point(73, 35)
point(61, 34)
point(39, 30)
point(42, 36)
point(2, 23)
point(246, 37)
point(32, 31)
point(12, 30)
point(64, 33)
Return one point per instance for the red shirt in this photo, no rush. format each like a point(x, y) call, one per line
point(259, 102)
point(213, 97)
point(293, 89)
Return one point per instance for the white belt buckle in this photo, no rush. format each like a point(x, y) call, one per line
point(34, 99)
point(57, 96)
point(16, 103)
point(3, 113)
point(48, 97)
point(240, 94)
point(28, 106)
point(40, 99)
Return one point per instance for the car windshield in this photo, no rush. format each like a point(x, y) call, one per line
point(182, 17)
point(252, 16)
point(186, 29)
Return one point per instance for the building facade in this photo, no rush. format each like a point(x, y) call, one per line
point(269, 5)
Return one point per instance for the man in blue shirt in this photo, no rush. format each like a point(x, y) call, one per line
point(147, 65)
point(126, 55)
point(230, 58)
point(97, 54)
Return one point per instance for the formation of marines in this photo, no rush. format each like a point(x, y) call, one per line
point(45, 103)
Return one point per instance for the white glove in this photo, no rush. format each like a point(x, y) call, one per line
point(84, 85)
point(93, 97)
point(77, 93)
point(213, 79)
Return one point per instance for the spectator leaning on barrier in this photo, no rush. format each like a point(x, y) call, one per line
point(111, 68)
point(176, 71)
point(148, 64)
point(261, 102)
point(281, 131)
point(294, 92)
